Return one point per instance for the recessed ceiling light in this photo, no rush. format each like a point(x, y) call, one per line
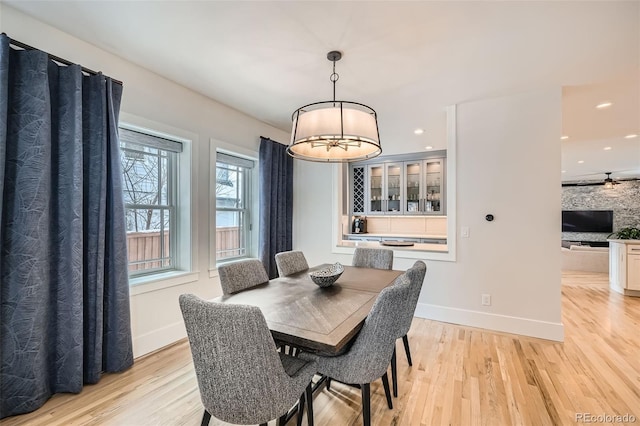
point(607, 148)
point(418, 131)
point(603, 105)
point(580, 161)
point(631, 136)
point(428, 147)
point(564, 137)
point(564, 171)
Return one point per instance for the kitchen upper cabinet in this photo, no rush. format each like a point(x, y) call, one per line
point(406, 186)
point(424, 186)
point(434, 185)
point(385, 188)
point(394, 194)
point(414, 186)
point(376, 189)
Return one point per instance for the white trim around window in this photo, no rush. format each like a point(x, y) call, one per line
point(185, 250)
point(216, 146)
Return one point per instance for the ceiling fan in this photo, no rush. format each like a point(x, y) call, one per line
point(607, 182)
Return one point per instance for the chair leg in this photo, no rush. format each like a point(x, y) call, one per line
point(394, 373)
point(328, 383)
point(387, 393)
point(282, 420)
point(405, 340)
point(309, 398)
point(205, 418)
point(366, 404)
point(300, 409)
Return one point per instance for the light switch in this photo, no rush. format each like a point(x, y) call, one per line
point(464, 231)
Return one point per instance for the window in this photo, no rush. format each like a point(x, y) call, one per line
point(149, 166)
point(233, 204)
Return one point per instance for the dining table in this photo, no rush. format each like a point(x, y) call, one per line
point(316, 319)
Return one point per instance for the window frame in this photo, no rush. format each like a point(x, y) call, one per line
point(184, 174)
point(168, 206)
point(218, 146)
point(247, 168)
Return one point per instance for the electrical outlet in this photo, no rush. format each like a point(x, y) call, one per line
point(486, 300)
point(464, 231)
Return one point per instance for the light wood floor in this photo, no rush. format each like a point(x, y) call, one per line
point(460, 376)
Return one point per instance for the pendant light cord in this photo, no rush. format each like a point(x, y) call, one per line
point(334, 77)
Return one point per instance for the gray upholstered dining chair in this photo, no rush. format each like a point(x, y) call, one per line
point(416, 278)
point(369, 356)
point(290, 262)
point(372, 258)
point(241, 376)
point(241, 275)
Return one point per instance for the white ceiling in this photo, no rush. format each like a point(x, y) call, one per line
point(407, 60)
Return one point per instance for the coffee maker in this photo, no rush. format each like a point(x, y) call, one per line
point(359, 225)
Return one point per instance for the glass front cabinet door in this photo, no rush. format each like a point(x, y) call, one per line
point(414, 187)
point(423, 187)
point(376, 189)
point(434, 178)
point(393, 202)
point(411, 187)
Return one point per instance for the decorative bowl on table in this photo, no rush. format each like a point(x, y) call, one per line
point(327, 276)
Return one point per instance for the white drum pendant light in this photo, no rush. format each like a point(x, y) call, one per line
point(334, 131)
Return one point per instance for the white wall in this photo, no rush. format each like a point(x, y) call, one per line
point(508, 164)
point(156, 319)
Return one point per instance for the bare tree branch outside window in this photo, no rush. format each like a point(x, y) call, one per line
point(148, 179)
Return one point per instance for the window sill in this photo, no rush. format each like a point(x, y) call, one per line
point(155, 282)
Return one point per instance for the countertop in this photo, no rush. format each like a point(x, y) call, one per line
point(613, 241)
point(440, 248)
point(373, 234)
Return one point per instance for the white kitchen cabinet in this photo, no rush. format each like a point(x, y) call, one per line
point(624, 266)
point(633, 267)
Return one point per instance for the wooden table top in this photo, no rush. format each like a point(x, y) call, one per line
point(316, 319)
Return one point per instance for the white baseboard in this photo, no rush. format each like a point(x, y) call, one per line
point(156, 339)
point(497, 322)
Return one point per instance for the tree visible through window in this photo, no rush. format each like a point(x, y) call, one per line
point(149, 170)
point(233, 200)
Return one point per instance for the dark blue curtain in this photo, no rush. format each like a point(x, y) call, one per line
point(64, 296)
point(276, 203)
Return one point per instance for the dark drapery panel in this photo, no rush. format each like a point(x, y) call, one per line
point(64, 296)
point(276, 203)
